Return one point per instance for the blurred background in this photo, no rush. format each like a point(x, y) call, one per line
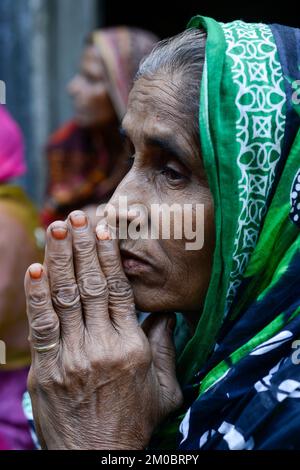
point(41, 42)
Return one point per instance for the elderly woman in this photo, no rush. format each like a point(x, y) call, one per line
point(18, 248)
point(86, 157)
point(212, 121)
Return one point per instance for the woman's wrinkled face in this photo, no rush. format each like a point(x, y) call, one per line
point(166, 169)
point(89, 91)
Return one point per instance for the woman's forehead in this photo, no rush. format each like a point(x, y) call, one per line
point(152, 126)
point(153, 103)
point(159, 91)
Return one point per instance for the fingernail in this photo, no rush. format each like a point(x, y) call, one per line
point(103, 233)
point(78, 220)
point(36, 271)
point(59, 233)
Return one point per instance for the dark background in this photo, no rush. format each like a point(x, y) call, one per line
point(167, 18)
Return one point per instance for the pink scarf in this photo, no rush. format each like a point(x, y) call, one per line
point(12, 163)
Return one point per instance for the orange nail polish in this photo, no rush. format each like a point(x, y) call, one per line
point(59, 233)
point(78, 220)
point(36, 271)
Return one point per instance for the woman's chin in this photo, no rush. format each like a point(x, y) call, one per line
point(82, 121)
point(150, 300)
point(143, 301)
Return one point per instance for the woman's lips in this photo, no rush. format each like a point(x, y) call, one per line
point(134, 264)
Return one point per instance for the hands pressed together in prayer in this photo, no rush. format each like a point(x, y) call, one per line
point(98, 379)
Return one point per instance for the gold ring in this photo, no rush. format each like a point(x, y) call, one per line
point(45, 348)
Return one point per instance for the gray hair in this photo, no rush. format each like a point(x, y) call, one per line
point(182, 55)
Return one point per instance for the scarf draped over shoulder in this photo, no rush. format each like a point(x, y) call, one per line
point(240, 371)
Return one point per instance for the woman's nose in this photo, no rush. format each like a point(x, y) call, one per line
point(129, 202)
point(125, 210)
point(120, 215)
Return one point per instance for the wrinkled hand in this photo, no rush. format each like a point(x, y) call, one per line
point(97, 380)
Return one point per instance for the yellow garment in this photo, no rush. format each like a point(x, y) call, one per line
point(15, 203)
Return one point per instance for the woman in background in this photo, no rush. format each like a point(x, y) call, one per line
point(86, 157)
point(18, 222)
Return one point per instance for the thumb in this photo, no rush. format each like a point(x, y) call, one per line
point(159, 330)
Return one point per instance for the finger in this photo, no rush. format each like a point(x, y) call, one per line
point(63, 286)
point(44, 328)
point(89, 276)
point(159, 330)
point(120, 295)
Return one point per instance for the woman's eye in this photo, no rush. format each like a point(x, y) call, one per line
point(172, 174)
point(93, 80)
